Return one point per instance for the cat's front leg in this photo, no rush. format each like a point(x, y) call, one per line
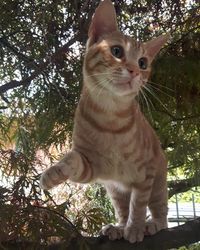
point(135, 227)
point(114, 232)
point(154, 225)
point(120, 200)
point(73, 166)
point(158, 205)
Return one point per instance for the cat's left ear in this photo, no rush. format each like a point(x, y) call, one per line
point(153, 47)
point(104, 21)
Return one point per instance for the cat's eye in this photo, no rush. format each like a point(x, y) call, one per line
point(117, 51)
point(143, 63)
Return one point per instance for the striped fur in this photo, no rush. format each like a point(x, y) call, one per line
point(113, 143)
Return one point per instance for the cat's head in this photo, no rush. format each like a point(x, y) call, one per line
point(113, 61)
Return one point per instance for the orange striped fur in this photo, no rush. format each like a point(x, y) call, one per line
point(113, 143)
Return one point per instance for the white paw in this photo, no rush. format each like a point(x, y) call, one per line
point(134, 233)
point(52, 177)
point(152, 226)
point(70, 167)
point(114, 232)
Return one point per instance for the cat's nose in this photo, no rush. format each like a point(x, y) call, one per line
point(133, 72)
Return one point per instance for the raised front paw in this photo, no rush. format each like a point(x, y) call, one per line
point(70, 167)
point(114, 232)
point(134, 233)
point(153, 226)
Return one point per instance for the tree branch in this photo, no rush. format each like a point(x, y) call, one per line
point(185, 234)
point(180, 186)
point(40, 68)
point(20, 55)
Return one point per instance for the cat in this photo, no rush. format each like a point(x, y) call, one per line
point(113, 143)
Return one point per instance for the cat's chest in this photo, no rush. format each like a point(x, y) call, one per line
point(123, 146)
point(129, 153)
point(124, 169)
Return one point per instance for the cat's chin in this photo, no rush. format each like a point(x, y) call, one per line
point(127, 88)
point(129, 92)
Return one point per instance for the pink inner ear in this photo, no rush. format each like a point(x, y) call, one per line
point(154, 46)
point(104, 20)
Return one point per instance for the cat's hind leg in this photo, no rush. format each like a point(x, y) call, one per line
point(120, 201)
point(72, 166)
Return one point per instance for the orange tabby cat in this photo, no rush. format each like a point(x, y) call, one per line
point(113, 143)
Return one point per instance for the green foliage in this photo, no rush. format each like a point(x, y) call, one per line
point(187, 196)
point(98, 195)
point(192, 247)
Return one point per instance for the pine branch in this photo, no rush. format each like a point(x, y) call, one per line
point(185, 234)
point(40, 68)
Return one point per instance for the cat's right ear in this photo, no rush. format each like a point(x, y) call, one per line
point(104, 21)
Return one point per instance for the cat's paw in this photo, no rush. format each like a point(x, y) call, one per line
point(114, 232)
point(70, 167)
point(152, 226)
point(134, 233)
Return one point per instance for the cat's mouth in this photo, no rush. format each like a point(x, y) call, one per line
point(124, 85)
point(127, 86)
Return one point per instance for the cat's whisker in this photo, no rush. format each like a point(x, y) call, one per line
point(156, 98)
point(160, 85)
point(147, 103)
point(149, 100)
point(103, 87)
point(157, 89)
point(99, 74)
point(98, 84)
point(100, 91)
point(141, 100)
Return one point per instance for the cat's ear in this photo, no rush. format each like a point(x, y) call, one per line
point(153, 46)
point(104, 21)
